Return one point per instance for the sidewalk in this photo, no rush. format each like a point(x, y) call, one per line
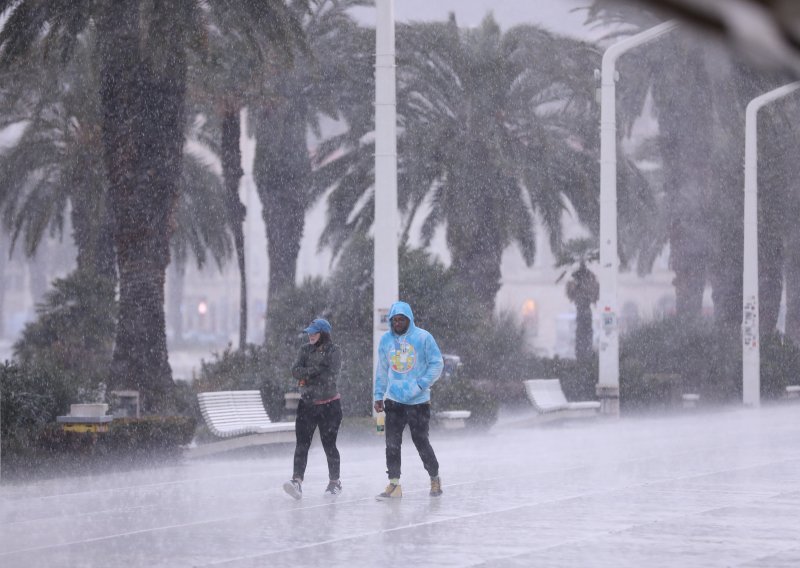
point(703, 490)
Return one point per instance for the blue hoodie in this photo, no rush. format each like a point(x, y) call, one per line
point(408, 364)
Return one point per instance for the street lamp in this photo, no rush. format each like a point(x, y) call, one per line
point(385, 273)
point(608, 383)
point(751, 341)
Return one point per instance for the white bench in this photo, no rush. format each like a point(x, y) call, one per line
point(453, 419)
point(239, 418)
point(793, 391)
point(689, 399)
point(547, 398)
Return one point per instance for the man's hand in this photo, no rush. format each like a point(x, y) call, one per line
point(378, 406)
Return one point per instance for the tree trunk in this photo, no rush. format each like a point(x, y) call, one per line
point(142, 94)
point(93, 232)
point(776, 218)
point(37, 273)
point(770, 276)
point(793, 286)
point(690, 250)
point(727, 267)
point(281, 172)
point(583, 331)
point(232, 173)
point(475, 234)
point(688, 181)
point(175, 301)
point(583, 290)
point(3, 286)
point(477, 269)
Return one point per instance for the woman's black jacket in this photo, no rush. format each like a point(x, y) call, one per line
point(317, 368)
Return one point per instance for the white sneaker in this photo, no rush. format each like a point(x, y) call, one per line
point(294, 489)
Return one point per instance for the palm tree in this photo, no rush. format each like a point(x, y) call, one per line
point(227, 78)
point(57, 160)
point(57, 165)
point(492, 133)
point(779, 206)
point(142, 59)
point(694, 88)
point(583, 289)
point(333, 80)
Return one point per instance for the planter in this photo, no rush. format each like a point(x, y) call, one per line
point(86, 410)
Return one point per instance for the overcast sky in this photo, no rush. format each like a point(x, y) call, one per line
point(556, 15)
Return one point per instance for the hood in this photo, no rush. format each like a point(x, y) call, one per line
point(404, 309)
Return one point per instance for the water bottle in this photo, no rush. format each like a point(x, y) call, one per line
point(380, 421)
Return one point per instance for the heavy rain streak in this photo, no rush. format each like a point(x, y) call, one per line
point(399, 282)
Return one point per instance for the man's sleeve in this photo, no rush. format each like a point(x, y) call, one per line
point(435, 363)
point(381, 374)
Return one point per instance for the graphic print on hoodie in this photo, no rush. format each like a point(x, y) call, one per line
point(408, 364)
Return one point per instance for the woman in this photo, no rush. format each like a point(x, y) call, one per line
point(316, 369)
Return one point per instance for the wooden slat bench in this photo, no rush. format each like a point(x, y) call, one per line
point(239, 418)
point(547, 398)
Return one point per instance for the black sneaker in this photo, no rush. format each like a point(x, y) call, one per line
point(334, 487)
point(294, 489)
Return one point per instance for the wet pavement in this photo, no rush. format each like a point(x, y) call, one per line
point(699, 489)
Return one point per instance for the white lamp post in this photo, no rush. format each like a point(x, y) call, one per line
point(608, 384)
point(751, 341)
point(386, 276)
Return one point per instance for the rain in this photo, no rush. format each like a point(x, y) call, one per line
point(209, 211)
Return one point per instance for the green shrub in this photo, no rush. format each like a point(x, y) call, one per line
point(128, 443)
point(251, 369)
point(126, 438)
point(465, 394)
point(29, 400)
point(150, 434)
point(672, 347)
point(62, 357)
point(780, 365)
point(73, 334)
point(707, 359)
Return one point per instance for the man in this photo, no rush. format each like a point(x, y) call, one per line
point(409, 362)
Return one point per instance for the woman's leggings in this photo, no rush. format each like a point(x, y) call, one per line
point(327, 417)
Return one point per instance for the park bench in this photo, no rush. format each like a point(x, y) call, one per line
point(453, 419)
point(690, 399)
point(793, 391)
point(240, 420)
point(547, 398)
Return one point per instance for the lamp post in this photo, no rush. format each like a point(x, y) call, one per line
point(386, 274)
point(608, 383)
point(751, 340)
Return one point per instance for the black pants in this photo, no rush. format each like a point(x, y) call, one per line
point(418, 417)
point(327, 417)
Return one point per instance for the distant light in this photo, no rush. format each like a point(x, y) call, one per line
point(202, 308)
point(529, 307)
